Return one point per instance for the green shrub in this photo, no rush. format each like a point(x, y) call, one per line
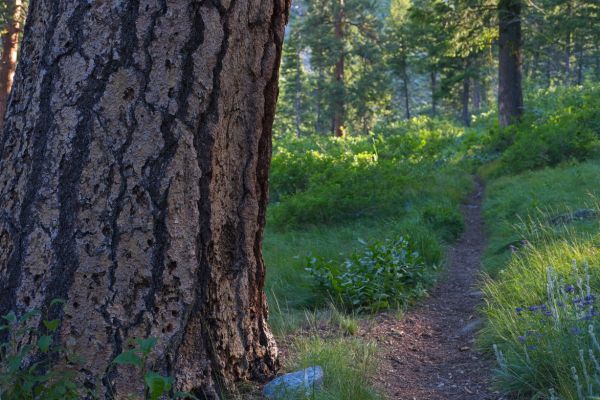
point(384, 275)
point(561, 125)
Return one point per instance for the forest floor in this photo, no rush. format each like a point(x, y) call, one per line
point(428, 353)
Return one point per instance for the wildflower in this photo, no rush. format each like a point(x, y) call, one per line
point(548, 313)
point(532, 347)
point(518, 310)
point(576, 331)
point(533, 308)
point(569, 288)
point(590, 297)
point(522, 339)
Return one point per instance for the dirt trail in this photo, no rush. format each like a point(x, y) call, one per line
point(427, 355)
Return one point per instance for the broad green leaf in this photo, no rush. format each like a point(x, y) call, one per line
point(52, 325)
point(128, 358)
point(157, 384)
point(44, 343)
point(146, 345)
point(10, 317)
point(57, 301)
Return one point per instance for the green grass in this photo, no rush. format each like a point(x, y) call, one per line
point(512, 202)
point(348, 365)
point(523, 208)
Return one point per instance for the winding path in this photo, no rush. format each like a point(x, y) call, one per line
point(427, 354)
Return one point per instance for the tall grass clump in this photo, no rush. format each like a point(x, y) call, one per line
point(543, 195)
point(543, 317)
point(348, 365)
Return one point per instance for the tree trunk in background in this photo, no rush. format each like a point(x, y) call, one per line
point(510, 92)
point(338, 100)
point(8, 57)
point(568, 59)
point(133, 182)
point(297, 99)
point(319, 109)
point(477, 95)
point(580, 62)
point(568, 48)
point(466, 115)
point(597, 66)
point(433, 80)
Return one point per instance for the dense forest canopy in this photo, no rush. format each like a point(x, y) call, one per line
point(409, 57)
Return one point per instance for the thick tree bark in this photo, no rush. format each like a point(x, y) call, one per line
point(339, 73)
point(8, 57)
point(133, 182)
point(510, 92)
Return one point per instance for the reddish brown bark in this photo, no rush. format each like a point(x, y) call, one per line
point(339, 73)
point(8, 58)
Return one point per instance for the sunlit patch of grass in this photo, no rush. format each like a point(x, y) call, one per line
point(513, 202)
point(348, 364)
point(545, 264)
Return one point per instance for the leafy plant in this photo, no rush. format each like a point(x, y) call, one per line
point(384, 275)
point(30, 369)
point(33, 365)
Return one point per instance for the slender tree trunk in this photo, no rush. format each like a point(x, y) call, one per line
point(433, 80)
point(8, 56)
point(297, 99)
point(466, 115)
point(597, 66)
point(510, 92)
point(580, 61)
point(319, 109)
point(477, 89)
point(339, 73)
point(406, 94)
point(133, 183)
point(568, 59)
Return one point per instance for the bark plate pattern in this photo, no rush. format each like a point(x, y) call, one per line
point(133, 182)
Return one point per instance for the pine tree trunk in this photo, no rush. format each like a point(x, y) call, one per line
point(466, 115)
point(404, 67)
point(133, 182)
point(477, 94)
point(510, 92)
point(568, 59)
point(339, 73)
point(297, 98)
point(8, 56)
point(433, 81)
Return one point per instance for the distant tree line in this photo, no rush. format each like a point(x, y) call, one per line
point(351, 64)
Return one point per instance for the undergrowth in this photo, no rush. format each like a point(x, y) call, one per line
point(541, 304)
